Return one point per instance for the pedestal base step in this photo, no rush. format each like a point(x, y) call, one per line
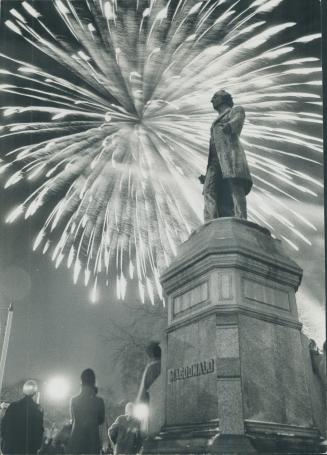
point(174, 444)
point(216, 445)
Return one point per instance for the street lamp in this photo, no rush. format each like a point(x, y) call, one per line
point(141, 411)
point(57, 388)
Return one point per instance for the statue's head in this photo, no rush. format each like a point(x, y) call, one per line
point(153, 350)
point(221, 98)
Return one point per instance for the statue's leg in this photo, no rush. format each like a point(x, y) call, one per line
point(239, 198)
point(226, 204)
point(210, 194)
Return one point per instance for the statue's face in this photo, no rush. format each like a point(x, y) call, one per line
point(218, 99)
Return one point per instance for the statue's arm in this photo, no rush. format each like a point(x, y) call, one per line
point(236, 122)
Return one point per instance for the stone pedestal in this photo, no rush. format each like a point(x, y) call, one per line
point(235, 379)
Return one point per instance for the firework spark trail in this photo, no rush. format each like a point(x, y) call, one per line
point(123, 147)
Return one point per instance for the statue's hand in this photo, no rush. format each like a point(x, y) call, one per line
point(202, 178)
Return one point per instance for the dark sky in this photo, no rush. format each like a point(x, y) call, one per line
point(55, 328)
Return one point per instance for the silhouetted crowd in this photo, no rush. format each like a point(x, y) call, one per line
point(22, 428)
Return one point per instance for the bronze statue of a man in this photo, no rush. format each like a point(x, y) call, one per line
point(228, 179)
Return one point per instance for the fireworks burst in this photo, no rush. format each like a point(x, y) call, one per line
point(123, 135)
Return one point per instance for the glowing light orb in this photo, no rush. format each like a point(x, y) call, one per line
point(141, 411)
point(57, 388)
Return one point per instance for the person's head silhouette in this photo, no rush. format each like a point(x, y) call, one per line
point(153, 350)
point(30, 388)
point(88, 378)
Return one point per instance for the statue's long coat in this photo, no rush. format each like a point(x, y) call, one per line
point(226, 146)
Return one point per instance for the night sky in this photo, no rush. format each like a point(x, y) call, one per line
point(55, 327)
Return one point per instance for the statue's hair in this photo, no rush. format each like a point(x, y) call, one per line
point(228, 99)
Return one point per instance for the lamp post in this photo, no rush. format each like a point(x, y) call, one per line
point(5, 344)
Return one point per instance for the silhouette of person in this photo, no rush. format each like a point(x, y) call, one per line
point(151, 371)
point(87, 412)
point(22, 424)
point(125, 433)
